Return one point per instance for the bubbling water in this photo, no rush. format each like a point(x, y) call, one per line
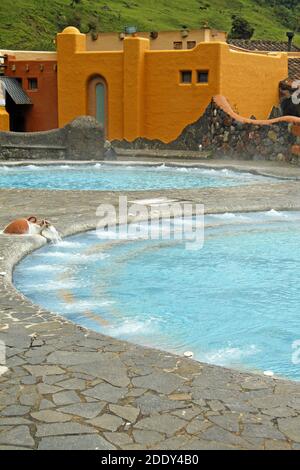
point(52, 234)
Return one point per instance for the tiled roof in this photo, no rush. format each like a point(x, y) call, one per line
point(294, 69)
point(14, 89)
point(262, 45)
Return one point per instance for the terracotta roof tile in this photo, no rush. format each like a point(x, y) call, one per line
point(294, 69)
point(263, 45)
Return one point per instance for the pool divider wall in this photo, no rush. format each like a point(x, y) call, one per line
point(82, 139)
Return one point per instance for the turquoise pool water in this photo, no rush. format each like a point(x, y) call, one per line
point(120, 177)
point(236, 302)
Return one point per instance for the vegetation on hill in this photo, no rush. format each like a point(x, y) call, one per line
point(32, 24)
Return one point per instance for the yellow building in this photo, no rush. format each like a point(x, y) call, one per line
point(143, 86)
point(155, 94)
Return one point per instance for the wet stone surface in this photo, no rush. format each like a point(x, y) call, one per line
point(102, 393)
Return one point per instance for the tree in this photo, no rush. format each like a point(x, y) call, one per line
point(75, 2)
point(241, 28)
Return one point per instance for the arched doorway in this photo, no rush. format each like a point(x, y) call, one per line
point(97, 100)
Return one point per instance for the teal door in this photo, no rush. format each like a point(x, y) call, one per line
point(100, 103)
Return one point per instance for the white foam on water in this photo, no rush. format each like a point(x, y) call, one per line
point(33, 167)
point(51, 233)
point(129, 327)
point(274, 213)
point(53, 285)
point(69, 244)
point(81, 258)
point(53, 254)
point(226, 215)
point(228, 355)
point(97, 165)
point(43, 268)
point(183, 169)
point(83, 305)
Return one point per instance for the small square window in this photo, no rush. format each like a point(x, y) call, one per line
point(191, 44)
point(177, 45)
point(32, 84)
point(186, 76)
point(202, 76)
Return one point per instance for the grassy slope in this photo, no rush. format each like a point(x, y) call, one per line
point(32, 24)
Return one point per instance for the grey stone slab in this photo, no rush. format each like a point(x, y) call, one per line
point(28, 380)
point(13, 448)
point(46, 404)
point(166, 424)
point(200, 444)
point(29, 399)
point(214, 433)
point(69, 358)
point(86, 442)
point(189, 413)
point(119, 439)
point(147, 438)
point(13, 421)
point(160, 382)
point(230, 422)
point(46, 389)
point(61, 429)
point(107, 421)
point(150, 403)
point(65, 398)
point(267, 431)
point(172, 443)
point(84, 410)
point(106, 392)
point(43, 370)
point(290, 427)
point(73, 384)
point(198, 425)
point(103, 365)
point(50, 416)
point(129, 413)
point(19, 435)
point(15, 410)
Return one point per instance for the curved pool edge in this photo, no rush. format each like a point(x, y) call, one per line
point(169, 382)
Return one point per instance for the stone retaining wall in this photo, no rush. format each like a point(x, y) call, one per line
point(82, 139)
point(225, 134)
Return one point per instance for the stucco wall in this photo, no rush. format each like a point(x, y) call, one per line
point(82, 139)
point(42, 115)
point(145, 95)
point(250, 81)
point(224, 134)
point(4, 119)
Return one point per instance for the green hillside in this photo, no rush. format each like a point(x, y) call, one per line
point(32, 24)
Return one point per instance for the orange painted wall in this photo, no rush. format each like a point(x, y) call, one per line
point(171, 105)
point(75, 68)
point(43, 114)
point(250, 81)
point(4, 119)
point(145, 96)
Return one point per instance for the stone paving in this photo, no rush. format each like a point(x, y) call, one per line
point(70, 388)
